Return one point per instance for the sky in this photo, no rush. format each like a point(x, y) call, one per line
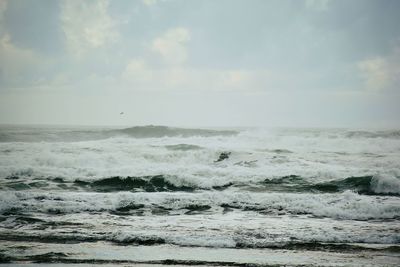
point(287, 63)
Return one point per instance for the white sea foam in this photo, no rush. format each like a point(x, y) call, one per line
point(347, 205)
point(385, 184)
point(240, 215)
point(254, 157)
point(233, 229)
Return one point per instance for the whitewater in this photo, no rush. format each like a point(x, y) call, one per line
point(210, 196)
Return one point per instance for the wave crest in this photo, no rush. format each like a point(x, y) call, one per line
point(89, 134)
point(365, 185)
point(164, 131)
point(383, 184)
point(157, 183)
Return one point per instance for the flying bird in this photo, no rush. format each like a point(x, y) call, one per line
point(122, 113)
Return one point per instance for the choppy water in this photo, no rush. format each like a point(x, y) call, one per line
point(307, 191)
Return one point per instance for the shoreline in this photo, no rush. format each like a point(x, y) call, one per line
point(108, 254)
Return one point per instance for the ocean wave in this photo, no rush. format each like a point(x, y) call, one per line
point(195, 160)
point(164, 131)
point(389, 134)
point(125, 238)
point(365, 185)
point(368, 185)
point(384, 184)
point(232, 230)
point(88, 134)
point(347, 205)
point(183, 147)
point(157, 183)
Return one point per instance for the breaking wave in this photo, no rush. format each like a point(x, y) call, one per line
point(346, 205)
point(367, 185)
point(364, 185)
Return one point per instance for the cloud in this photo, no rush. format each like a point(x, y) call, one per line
point(15, 62)
point(381, 73)
point(318, 5)
point(172, 45)
point(149, 2)
point(139, 75)
point(137, 72)
point(143, 74)
point(87, 25)
point(3, 7)
point(375, 72)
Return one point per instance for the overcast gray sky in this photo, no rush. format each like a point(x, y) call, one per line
point(305, 63)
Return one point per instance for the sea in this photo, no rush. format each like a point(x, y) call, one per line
point(158, 195)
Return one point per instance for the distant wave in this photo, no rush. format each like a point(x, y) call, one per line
point(389, 134)
point(67, 135)
point(183, 147)
point(162, 131)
